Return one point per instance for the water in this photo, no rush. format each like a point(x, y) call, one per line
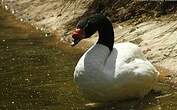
point(37, 74)
point(34, 72)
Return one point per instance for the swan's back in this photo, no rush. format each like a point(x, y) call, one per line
point(121, 54)
point(134, 75)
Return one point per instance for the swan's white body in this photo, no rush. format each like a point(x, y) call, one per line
point(120, 74)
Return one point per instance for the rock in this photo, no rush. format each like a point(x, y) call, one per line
point(59, 15)
point(137, 40)
point(146, 51)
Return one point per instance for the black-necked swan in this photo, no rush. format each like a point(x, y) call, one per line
point(109, 71)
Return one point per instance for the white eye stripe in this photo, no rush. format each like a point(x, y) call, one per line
point(77, 29)
point(86, 24)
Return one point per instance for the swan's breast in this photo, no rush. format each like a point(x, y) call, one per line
point(91, 64)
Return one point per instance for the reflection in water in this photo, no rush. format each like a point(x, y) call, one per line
point(36, 75)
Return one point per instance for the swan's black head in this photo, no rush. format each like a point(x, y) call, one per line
point(88, 26)
point(85, 28)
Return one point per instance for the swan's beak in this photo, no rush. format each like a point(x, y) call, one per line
point(75, 41)
point(77, 36)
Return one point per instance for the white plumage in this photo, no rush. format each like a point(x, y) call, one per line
point(122, 73)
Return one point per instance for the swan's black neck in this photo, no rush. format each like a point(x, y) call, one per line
point(99, 23)
point(106, 33)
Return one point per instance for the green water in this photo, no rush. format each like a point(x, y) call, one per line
point(37, 74)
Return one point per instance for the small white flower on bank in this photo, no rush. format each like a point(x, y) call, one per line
point(21, 19)
point(6, 7)
point(42, 29)
point(37, 28)
point(61, 39)
point(13, 11)
point(46, 35)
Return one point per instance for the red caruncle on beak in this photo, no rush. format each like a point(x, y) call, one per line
point(77, 36)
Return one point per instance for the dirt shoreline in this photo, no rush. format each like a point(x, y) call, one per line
point(156, 37)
